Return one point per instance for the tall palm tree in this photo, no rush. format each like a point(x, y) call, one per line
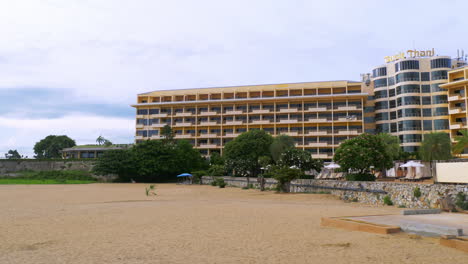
point(462, 142)
point(435, 146)
point(100, 140)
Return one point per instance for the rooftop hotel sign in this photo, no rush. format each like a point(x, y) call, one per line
point(410, 54)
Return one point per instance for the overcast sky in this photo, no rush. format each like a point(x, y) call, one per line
point(74, 67)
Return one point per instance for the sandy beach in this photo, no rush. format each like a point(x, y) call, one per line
point(118, 223)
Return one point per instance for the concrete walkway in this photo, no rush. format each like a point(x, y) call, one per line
point(427, 224)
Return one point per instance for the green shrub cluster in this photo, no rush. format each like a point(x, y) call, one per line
point(360, 177)
point(58, 175)
point(387, 200)
point(417, 192)
point(461, 201)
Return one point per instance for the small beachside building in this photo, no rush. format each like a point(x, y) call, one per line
point(90, 151)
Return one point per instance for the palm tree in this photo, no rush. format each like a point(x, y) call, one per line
point(435, 146)
point(462, 142)
point(100, 140)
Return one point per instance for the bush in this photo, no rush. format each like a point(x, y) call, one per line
point(387, 200)
point(461, 201)
point(360, 177)
point(58, 175)
point(197, 175)
point(214, 182)
point(220, 182)
point(284, 176)
point(417, 192)
point(216, 170)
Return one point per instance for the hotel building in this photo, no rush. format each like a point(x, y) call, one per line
point(318, 115)
point(406, 97)
point(457, 88)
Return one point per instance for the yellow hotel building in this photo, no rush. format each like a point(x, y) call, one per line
point(457, 88)
point(318, 115)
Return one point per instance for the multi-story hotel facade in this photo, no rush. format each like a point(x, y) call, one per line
point(318, 115)
point(405, 97)
point(457, 87)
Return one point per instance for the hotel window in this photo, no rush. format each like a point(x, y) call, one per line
point(380, 83)
point(439, 99)
point(407, 65)
point(369, 119)
point(410, 149)
point(379, 72)
point(142, 133)
point(369, 109)
point(411, 138)
point(153, 132)
point(439, 75)
point(391, 92)
point(427, 112)
point(427, 124)
point(409, 125)
point(441, 111)
point(382, 128)
point(381, 105)
point(411, 100)
point(142, 121)
point(441, 124)
point(381, 116)
point(410, 112)
point(441, 63)
point(411, 88)
point(425, 76)
point(426, 100)
point(425, 88)
point(393, 127)
point(407, 76)
point(142, 111)
point(381, 94)
point(166, 110)
point(435, 88)
point(154, 111)
point(393, 115)
point(391, 81)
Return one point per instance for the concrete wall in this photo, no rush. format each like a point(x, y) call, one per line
point(13, 166)
point(365, 192)
point(452, 172)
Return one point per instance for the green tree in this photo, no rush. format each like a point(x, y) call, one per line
point(462, 142)
point(284, 176)
point(100, 140)
point(107, 143)
point(13, 154)
point(265, 163)
point(279, 145)
point(435, 146)
point(242, 154)
point(392, 147)
point(117, 162)
point(167, 133)
point(50, 146)
point(216, 159)
point(300, 159)
point(360, 153)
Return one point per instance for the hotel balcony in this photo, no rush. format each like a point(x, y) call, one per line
point(159, 115)
point(139, 125)
point(209, 146)
point(456, 111)
point(260, 122)
point(141, 116)
point(317, 133)
point(155, 137)
point(233, 135)
point(318, 120)
point(322, 156)
point(208, 123)
point(139, 137)
point(288, 121)
point(288, 110)
point(291, 133)
point(348, 132)
point(183, 114)
point(183, 136)
point(207, 135)
point(318, 109)
point(159, 125)
point(347, 108)
point(234, 112)
point(456, 126)
point(207, 113)
point(234, 123)
point(454, 98)
point(317, 144)
point(261, 111)
point(348, 119)
point(182, 124)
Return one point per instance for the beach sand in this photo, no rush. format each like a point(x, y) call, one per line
point(118, 223)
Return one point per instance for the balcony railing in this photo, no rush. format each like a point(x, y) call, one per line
point(140, 125)
point(317, 144)
point(291, 133)
point(318, 109)
point(208, 123)
point(231, 134)
point(159, 125)
point(159, 115)
point(260, 122)
point(288, 110)
point(234, 112)
point(322, 156)
point(456, 126)
point(288, 121)
point(318, 120)
point(347, 108)
point(317, 133)
point(184, 114)
point(184, 136)
point(456, 110)
point(454, 98)
point(208, 135)
point(348, 132)
point(260, 111)
point(183, 124)
point(209, 146)
point(139, 137)
point(208, 113)
point(234, 122)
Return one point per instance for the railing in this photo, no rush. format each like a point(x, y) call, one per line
point(159, 115)
point(288, 110)
point(208, 113)
point(260, 111)
point(184, 114)
point(208, 123)
point(208, 135)
point(236, 122)
point(318, 109)
point(234, 112)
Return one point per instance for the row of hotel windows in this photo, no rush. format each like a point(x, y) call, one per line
point(410, 88)
point(411, 100)
point(411, 125)
point(412, 65)
point(412, 112)
point(411, 76)
point(308, 116)
point(243, 108)
point(279, 130)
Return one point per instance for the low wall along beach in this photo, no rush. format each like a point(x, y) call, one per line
point(401, 194)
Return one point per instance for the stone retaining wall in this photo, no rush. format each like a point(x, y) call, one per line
point(12, 166)
point(366, 192)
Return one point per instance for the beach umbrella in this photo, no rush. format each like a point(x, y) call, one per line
point(412, 164)
point(184, 175)
point(332, 165)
